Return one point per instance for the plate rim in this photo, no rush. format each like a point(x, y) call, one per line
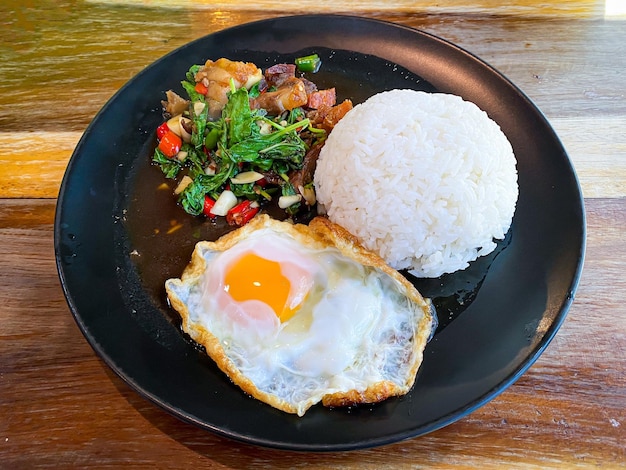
point(443, 421)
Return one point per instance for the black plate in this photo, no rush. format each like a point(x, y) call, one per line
point(496, 317)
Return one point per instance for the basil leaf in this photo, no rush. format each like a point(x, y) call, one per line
point(169, 167)
point(196, 160)
point(254, 91)
point(261, 149)
point(287, 189)
point(192, 197)
point(241, 190)
point(190, 88)
point(191, 73)
point(238, 116)
point(199, 123)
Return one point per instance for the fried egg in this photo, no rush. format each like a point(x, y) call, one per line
point(296, 315)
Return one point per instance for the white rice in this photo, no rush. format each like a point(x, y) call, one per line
point(428, 181)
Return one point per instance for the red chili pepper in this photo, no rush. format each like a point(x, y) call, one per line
point(242, 213)
point(170, 144)
point(208, 205)
point(162, 130)
point(201, 88)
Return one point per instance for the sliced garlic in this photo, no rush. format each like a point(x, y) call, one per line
point(246, 177)
point(265, 127)
point(184, 182)
point(173, 124)
point(285, 201)
point(198, 107)
point(308, 194)
point(210, 169)
point(225, 202)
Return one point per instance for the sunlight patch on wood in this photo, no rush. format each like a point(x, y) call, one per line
point(577, 8)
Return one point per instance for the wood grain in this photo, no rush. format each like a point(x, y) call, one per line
point(586, 109)
point(596, 147)
point(34, 163)
point(63, 408)
point(533, 8)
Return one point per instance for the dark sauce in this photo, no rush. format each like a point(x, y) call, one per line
point(162, 235)
point(452, 294)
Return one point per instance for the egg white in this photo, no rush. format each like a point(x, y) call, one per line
point(355, 329)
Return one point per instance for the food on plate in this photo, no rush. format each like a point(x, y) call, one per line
point(244, 137)
point(216, 78)
point(300, 314)
point(427, 181)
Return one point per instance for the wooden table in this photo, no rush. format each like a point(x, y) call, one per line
point(61, 407)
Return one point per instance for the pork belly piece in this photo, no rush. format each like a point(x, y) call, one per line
point(216, 76)
point(326, 117)
point(291, 94)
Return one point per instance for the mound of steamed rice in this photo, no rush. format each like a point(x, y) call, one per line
point(428, 181)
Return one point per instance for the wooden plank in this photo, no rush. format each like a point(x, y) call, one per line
point(79, 73)
point(576, 8)
point(33, 163)
point(597, 148)
point(580, 88)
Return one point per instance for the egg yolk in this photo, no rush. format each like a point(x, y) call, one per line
point(252, 277)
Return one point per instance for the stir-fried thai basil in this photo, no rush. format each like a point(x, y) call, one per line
point(242, 139)
point(205, 147)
